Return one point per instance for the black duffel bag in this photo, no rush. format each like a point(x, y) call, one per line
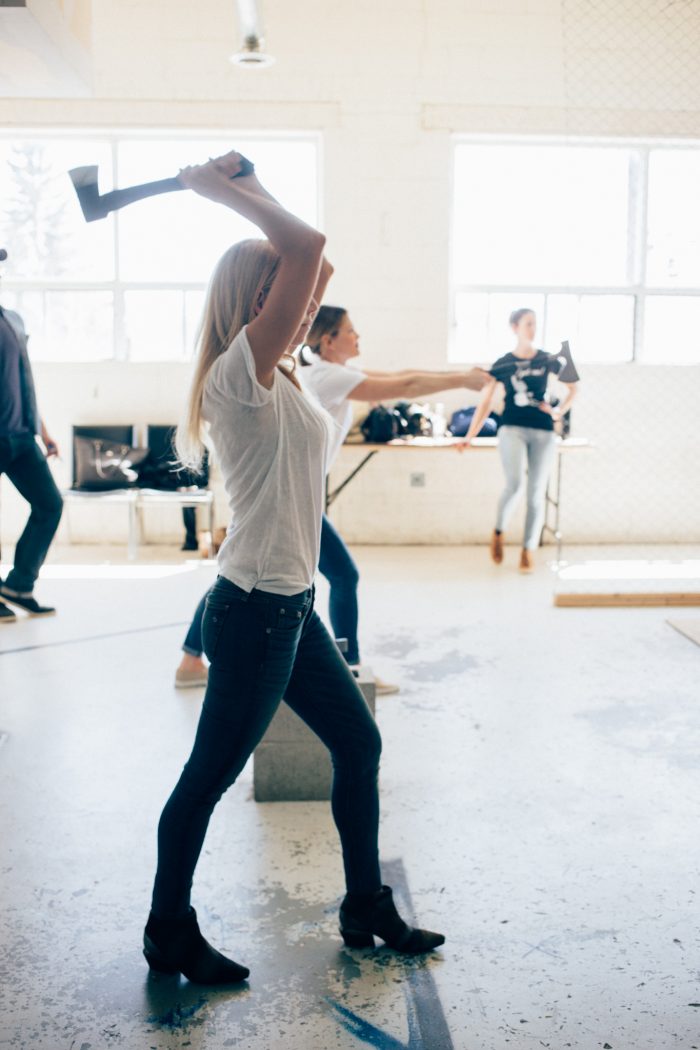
point(102, 465)
point(381, 425)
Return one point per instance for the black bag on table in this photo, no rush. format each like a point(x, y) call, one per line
point(415, 423)
point(381, 425)
point(101, 465)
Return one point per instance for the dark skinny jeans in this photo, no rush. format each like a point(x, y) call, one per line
point(25, 465)
point(337, 565)
point(262, 648)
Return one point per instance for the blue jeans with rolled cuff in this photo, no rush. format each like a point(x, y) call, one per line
point(264, 648)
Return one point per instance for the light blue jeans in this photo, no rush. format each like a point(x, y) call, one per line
point(525, 448)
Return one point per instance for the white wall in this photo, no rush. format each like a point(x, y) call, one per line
point(388, 83)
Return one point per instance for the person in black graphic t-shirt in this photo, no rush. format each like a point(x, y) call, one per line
point(526, 437)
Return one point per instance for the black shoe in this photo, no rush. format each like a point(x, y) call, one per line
point(190, 545)
point(177, 946)
point(363, 918)
point(26, 602)
point(6, 615)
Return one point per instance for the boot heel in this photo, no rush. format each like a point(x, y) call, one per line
point(357, 939)
point(156, 961)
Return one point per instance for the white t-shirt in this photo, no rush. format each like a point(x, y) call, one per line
point(331, 384)
point(272, 447)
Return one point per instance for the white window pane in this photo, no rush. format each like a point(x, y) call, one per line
point(78, 326)
point(483, 332)
point(471, 326)
point(672, 330)
point(673, 258)
point(30, 306)
point(155, 325)
point(194, 308)
point(606, 328)
point(180, 236)
point(598, 327)
point(42, 225)
point(562, 319)
point(540, 214)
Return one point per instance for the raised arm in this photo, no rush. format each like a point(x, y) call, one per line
point(378, 386)
point(299, 246)
point(326, 272)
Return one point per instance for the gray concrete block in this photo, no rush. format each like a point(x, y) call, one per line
point(290, 763)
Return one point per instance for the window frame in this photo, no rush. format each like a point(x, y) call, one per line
point(117, 286)
point(637, 235)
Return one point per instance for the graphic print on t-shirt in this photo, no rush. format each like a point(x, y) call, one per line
point(525, 382)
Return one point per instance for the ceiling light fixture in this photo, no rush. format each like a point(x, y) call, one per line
point(252, 53)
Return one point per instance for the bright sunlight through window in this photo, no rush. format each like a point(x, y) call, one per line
point(131, 286)
point(603, 241)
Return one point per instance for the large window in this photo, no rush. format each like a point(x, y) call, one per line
point(130, 286)
point(602, 240)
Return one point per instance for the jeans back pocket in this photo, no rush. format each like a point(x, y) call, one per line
point(285, 618)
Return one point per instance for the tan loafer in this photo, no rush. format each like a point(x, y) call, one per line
point(191, 679)
point(526, 561)
point(497, 547)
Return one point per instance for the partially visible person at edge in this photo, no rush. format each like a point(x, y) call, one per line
point(262, 637)
point(526, 435)
point(328, 350)
point(26, 467)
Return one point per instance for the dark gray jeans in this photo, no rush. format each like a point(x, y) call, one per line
point(262, 648)
point(25, 465)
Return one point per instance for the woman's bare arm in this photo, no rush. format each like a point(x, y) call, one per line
point(415, 384)
point(561, 409)
point(326, 272)
point(482, 410)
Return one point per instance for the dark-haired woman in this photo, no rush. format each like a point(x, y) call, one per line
point(261, 635)
point(330, 347)
point(526, 438)
point(329, 377)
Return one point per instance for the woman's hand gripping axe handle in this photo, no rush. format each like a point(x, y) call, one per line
point(97, 206)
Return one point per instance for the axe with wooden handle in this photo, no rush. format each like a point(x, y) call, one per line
point(97, 206)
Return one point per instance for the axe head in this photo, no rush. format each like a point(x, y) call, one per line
point(85, 184)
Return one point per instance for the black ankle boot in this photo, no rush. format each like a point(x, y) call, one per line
point(177, 946)
point(361, 920)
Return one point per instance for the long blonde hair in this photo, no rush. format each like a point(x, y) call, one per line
point(243, 274)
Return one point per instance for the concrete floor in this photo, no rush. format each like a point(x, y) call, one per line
point(540, 805)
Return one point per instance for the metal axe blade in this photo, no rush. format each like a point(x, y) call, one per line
point(85, 185)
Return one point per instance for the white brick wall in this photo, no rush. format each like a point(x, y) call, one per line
point(387, 83)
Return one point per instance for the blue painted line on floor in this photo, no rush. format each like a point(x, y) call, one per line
point(365, 1031)
point(94, 637)
point(427, 1025)
point(177, 1016)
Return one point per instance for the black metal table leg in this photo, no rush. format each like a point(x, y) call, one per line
point(332, 495)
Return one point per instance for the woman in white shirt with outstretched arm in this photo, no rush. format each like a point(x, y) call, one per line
point(330, 347)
